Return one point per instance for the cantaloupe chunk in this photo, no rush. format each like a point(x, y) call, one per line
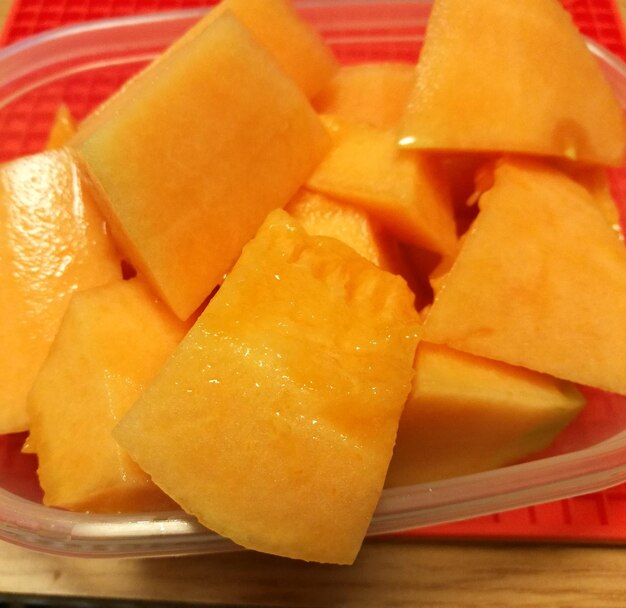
point(400, 188)
point(53, 241)
point(469, 414)
point(111, 343)
point(513, 77)
point(539, 282)
point(190, 160)
point(274, 421)
point(375, 93)
point(62, 130)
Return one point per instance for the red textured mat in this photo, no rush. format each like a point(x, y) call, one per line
point(599, 517)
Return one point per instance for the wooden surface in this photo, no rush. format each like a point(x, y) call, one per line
point(398, 574)
point(387, 573)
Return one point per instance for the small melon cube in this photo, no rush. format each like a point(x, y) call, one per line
point(374, 93)
point(468, 414)
point(274, 423)
point(498, 76)
point(53, 241)
point(111, 343)
point(540, 281)
point(401, 189)
point(189, 159)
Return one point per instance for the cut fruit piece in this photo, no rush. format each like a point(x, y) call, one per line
point(539, 282)
point(468, 414)
point(374, 93)
point(190, 160)
point(63, 128)
point(402, 189)
point(53, 241)
point(274, 424)
point(511, 77)
point(111, 343)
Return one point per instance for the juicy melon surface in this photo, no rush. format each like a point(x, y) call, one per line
point(540, 281)
point(274, 421)
point(111, 343)
point(499, 76)
point(188, 160)
point(53, 242)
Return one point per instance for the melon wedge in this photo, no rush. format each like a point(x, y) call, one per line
point(374, 93)
point(512, 77)
point(539, 282)
point(400, 188)
point(53, 241)
point(469, 414)
point(190, 159)
point(274, 422)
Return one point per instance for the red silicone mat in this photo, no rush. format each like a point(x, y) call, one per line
point(599, 517)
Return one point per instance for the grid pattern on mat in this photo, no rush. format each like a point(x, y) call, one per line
point(598, 517)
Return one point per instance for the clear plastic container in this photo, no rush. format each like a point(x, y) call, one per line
point(81, 65)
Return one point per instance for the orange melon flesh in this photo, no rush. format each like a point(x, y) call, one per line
point(597, 183)
point(53, 242)
point(295, 44)
point(553, 299)
point(325, 216)
point(374, 93)
point(274, 423)
point(190, 160)
point(511, 77)
point(62, 130)
point(111, 343)
point(399, 188)
point(469, 414)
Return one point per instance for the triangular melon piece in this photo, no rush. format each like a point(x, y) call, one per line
point(514, 77)
point(539, 282)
